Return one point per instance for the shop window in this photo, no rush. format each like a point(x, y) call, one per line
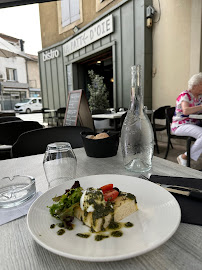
point(11, 74)
point(100, 4)
point(69, 14)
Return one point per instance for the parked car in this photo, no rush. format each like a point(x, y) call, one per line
point(28, 105)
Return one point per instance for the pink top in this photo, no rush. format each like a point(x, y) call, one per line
point(179, 118)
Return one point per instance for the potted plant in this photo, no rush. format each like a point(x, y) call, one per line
point(98, 92)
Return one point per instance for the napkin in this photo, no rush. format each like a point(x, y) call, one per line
point(191, 208)
point(9, 214)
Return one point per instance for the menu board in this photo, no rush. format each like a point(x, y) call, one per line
point(73, 103)
point(77, 110)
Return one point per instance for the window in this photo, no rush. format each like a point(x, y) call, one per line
point(11, 74)
point(70, 11)
point(69, 14)
point(33, 101)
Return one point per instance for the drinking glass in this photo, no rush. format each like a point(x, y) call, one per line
point(59, 163)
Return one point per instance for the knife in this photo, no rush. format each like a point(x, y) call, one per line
point(192, 193)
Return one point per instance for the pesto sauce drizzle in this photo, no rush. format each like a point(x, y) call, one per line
point(100, 237)
point(100, 209)
point(128, 195)
point(128, 224)
point(83, 235)
point(61, 232)
point(116, 233)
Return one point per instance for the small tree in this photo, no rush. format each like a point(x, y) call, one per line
point(98, 92)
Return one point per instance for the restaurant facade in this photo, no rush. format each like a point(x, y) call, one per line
point(167, 45)
point(109, 45)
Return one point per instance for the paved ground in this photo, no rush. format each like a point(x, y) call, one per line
point(172, 156)
point(32, 117)
point(176, 151)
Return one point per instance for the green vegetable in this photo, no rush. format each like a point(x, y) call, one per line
point(65, 204)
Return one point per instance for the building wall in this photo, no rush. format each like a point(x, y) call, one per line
point(52, 76)
point(176, 44)
point(49, 19)
point(130, 43)
point(33, 74)
point(176, 48)
point(15, 63)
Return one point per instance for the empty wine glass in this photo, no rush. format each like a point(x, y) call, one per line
point(59, 163)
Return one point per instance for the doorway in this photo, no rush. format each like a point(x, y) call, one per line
point(102, 65)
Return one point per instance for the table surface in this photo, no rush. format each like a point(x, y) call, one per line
point(116, 115)
point(195, 116)
point(19, 251)
point(51, 110)
point(108, 115)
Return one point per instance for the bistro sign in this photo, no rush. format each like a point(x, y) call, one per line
point(97, 31)
point(50, 55)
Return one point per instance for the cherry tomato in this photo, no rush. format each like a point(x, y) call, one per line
point(106, 187)
point(111, 195)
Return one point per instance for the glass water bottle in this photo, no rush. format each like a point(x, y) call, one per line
point(137, 139)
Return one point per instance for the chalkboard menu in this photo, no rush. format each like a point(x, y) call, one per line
point(77, 110)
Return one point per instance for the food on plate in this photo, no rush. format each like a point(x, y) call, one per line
point(63, 208)
point(98, 208)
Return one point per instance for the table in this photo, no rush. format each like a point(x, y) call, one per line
point(19, 251)
point(111, 116)
point(196, 116)
point(108, 115)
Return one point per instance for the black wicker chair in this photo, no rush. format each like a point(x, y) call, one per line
point(60, 114)
point(158, 114)
point(169, 115)
point(4, 119)
point(35, 142)
point(9, 133)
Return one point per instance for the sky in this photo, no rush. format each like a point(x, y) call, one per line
point(23, 22)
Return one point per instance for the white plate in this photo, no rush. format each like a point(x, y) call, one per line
point(155, 222)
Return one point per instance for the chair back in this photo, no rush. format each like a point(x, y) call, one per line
point(169, 115)
point(61, 112)
point(35, 142)
point(160, 112)
point(4, 119)
point(10, 131)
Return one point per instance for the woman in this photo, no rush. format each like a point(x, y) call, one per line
point(189, 102)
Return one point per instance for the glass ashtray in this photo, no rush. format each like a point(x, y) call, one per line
point(16, 190)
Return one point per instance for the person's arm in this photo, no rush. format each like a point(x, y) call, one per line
point(190, 110)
